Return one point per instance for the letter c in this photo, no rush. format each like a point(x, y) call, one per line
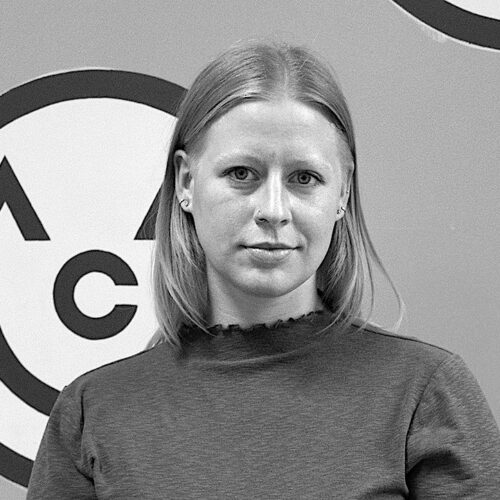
point(64, 288)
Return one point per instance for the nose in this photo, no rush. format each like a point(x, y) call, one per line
point(273, 203)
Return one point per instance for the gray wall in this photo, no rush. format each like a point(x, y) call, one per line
point(425, 108)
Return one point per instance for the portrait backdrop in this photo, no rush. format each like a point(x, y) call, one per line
point(88, 92)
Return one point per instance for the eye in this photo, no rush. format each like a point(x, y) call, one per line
point(238, 173)
point(304, 178)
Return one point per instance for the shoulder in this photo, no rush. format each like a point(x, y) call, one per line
point(370, 332)
point(389, 354)
point(418, 372)
point(122, 378)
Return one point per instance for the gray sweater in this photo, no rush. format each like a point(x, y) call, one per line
point(274, 413)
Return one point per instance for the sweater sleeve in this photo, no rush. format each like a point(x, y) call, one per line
point(453, 444)
point(60, 471)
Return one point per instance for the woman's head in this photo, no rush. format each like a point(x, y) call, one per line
point(269, 173)
point(272, 111)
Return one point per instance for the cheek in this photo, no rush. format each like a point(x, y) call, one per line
point(217, 219)
point(321, 229)
point(317, 226)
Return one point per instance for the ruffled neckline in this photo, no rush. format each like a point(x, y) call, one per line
point(255, 344)
point(219, 329)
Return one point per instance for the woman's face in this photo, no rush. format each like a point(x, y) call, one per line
point(268, 173)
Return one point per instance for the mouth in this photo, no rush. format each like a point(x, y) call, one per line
point(272, 249)
point(271, 246)
point(269, 256)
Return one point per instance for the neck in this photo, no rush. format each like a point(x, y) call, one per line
point(236, 306)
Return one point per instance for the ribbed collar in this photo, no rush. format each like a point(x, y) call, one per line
point(256, 343)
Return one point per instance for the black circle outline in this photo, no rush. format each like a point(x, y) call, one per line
point(20, 101)
point(85, 84)
point(455, 22)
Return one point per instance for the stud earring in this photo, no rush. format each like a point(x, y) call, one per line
point(341, 208)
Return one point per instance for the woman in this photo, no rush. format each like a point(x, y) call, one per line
point(263, 381)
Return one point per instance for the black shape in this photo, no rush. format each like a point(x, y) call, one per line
point(22, 383)
point(134, 87)
point(147, 229)
point(455, 22)
point(13, 195)
point(83, 84)
point(15, 467)
point(129, 86)
point(64, 287)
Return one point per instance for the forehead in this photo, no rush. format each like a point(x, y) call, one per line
point(273, 128)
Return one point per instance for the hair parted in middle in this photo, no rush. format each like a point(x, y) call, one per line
point(265, 71)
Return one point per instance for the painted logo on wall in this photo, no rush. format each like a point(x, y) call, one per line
point(82, 158)
point(475, 22)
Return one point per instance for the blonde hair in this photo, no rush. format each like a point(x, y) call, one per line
point(256, 70)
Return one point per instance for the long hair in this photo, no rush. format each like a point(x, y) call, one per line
point(256, 70)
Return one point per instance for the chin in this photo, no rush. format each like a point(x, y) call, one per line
point(271, 288)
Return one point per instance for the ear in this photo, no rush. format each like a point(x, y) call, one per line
point(345, 192)
point(184, 181)
point(346, 189)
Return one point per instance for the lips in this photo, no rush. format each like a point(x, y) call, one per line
point(270, 256)
point(271, 246)
point(271, 249)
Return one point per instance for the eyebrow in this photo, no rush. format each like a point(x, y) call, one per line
point(245, 157)
point(237, 158)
